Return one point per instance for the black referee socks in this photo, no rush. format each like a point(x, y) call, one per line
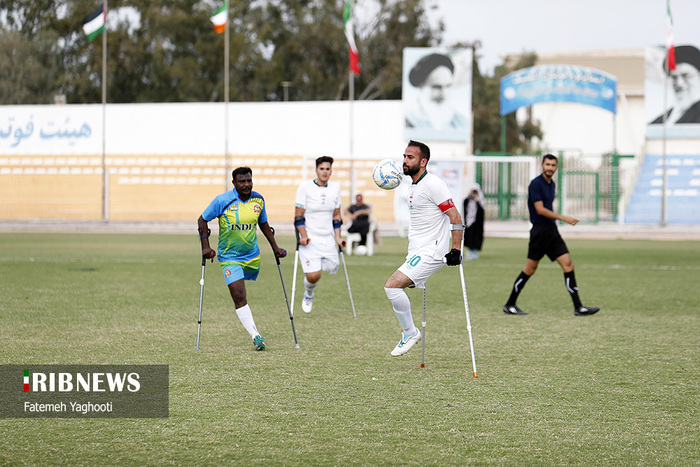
point(517, 288)
point(572, 288)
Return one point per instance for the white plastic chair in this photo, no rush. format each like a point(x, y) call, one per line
point(352, 237)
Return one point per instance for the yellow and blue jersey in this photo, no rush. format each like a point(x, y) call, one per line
point(238, 222)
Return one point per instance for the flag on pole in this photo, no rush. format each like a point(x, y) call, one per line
point(220, 18)
point(350, 35)
point(670, 49)
point(94, 23)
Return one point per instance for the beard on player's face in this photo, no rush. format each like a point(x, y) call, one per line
point(411, 170)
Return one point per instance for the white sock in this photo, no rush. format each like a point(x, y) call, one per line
point(309, 288)
point(246, 317)
point(402, 308)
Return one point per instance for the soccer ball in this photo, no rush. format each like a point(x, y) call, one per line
point(360, 250)
point(387, 174)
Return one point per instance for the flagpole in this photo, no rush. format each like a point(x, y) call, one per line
point(663, 150)
point(105, 212)
point(669, 64)
point(227, 179)
point(353, 68)
point(351, 80)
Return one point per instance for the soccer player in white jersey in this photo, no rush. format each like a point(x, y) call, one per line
point(317, 219)
point(435, 232)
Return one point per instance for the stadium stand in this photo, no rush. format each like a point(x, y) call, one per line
point(683, 191)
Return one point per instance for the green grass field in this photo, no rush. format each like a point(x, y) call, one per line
point(617, 388)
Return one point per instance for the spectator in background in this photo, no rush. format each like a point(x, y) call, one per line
point(474, 215)
point(359, 214)
point(686, 86)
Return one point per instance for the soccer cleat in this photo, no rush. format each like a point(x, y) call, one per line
point(513, 310)
point(586, 310)
point(405, 343)
point(307, 303)
point(259, 343)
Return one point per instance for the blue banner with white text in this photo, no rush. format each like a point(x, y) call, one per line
point(558, 83)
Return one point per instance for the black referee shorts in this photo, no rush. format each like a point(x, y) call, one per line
point(545, 240)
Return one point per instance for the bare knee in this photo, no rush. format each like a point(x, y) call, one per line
point(238, 294)
point(565, 262)
point(313, 277)
point(530, 267)
point(398, 280)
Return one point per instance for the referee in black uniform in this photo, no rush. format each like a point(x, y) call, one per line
point(545, 239)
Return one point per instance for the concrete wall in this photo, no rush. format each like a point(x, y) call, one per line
point(166, 161)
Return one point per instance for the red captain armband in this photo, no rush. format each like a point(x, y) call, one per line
point(444, 206)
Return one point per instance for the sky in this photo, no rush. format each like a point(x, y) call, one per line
point(545, 26)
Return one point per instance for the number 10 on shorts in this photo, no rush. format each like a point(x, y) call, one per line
point(413, 262)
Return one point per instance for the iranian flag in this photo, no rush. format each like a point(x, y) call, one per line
point(670, 49)
point(220, 18)
point(350, 35)
point(94, 23)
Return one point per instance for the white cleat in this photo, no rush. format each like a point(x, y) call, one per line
point(405, 343)
point(307, 303)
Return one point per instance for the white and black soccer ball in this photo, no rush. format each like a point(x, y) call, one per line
point(387, 174)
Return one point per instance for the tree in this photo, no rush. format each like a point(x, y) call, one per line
point(27, 69)
point(487, 118)
point(29, 51)
point(397, 25)
point(309, 49)
point(171, 55)
point(167, 50)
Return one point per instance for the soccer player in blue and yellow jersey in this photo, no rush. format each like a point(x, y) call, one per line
point(240, 212)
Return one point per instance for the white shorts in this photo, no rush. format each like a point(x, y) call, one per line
point(420, 266)
point(320, 255)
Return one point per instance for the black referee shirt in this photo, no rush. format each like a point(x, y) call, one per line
point(540, 190)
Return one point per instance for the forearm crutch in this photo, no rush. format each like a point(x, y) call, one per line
point(286, 298)
point(294, 277)
point(422, 357)
point(347, 280)
point(201, 298)
point(466, 302)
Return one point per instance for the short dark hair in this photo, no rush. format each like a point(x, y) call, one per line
point(551, 157)
point(323, 159)
point(424, 149)
point(241, 171)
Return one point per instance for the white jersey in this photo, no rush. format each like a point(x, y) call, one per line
point(319, 203)
point(428, 200)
